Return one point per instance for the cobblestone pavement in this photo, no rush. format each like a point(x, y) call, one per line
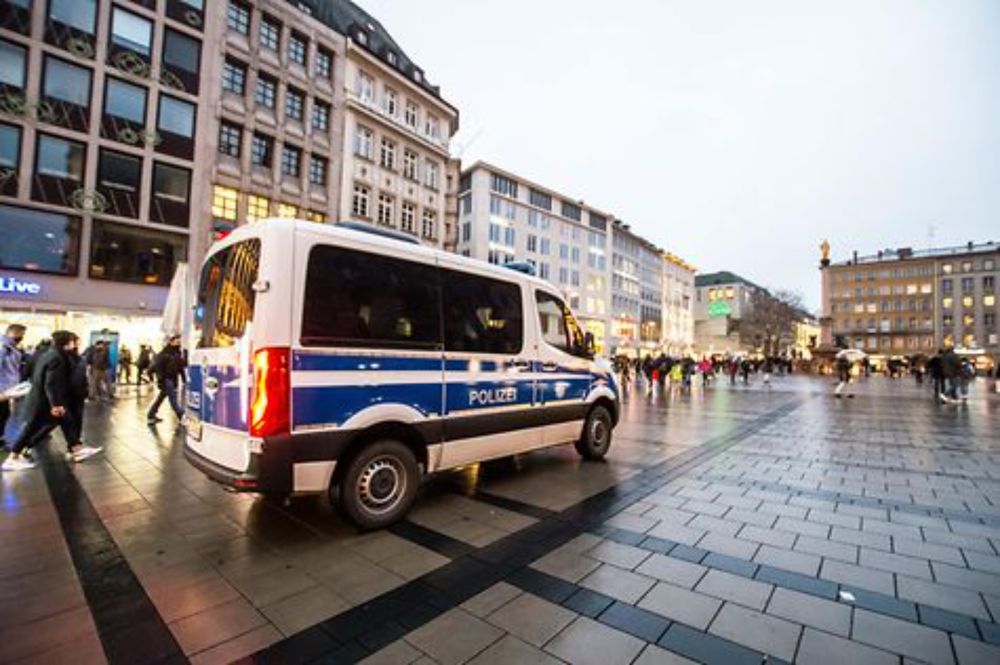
point(726, 526)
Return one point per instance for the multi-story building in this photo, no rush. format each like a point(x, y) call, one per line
point(505, 218)
point(678, 304)
point(132, 133)
point(399, 128)
point(615, 280)
point(722, 299)
point(906, 302)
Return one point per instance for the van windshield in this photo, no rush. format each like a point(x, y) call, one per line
point(225, 294)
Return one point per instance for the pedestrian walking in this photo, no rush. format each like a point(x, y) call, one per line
point(11, 363)
point(951, 366)
point(143, 364)
point(125, 365)
point(844, 377)
point(100, 365)
point(167, 367)
point(72, 425)
point(48, 403)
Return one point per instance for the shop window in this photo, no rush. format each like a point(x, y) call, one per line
point(181, 61)
point(131, 41)
point(288, 211)
point(258, 208)
point(124, 116)
point(71, 24)
point(38, 241)
point(132, 254)
point(59, 167)
point(10, 158)
point(316, 216)
point(175, 125)
point(12, 67)
point(16, 16)
point(170, 203)
point(118, 178)
point(225, 201)
point(66, 92)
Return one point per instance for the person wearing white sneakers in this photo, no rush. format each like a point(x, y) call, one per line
point(46, 404)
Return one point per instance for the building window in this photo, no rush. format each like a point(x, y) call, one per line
point(59, 158)
point(431, 127)
point(316, 216)
point(391, 103)
point(360, 201)
point(129, 254)
point(503, 185)
point(431, 175)
point(36, 241)
point(294, 104)
point(968, 284)
point(258, 208)
point(176, 117)
point(67, 88)
point(366, 87)
point(540, 199)
point(118, 179)
point(182, 56)
point(238, 17)
point(291, 161)
point(572, 211)
point(270, 33)
point(409, 164)
point(321, 116)
point(131, 32)
point(385, 209)
point(266, 91)
point(234, 77)
point(12, 65)
point(171, 195)
point(947, 268)
point(324, 63)
point(230, 138)
point(297, 47)
point(288, 211)
point(410, 115)
point(364, 141)
point(429, 226)
point(988, 282)
point(225, 201)
point(317, 170)
point(261, 150)
point(76, 14)
point(124, 100)
point(946, 286)
point(10, 156)
point(387, 156)
point(408, 217)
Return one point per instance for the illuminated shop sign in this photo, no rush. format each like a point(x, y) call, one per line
point(718, 309)
point(19, 286)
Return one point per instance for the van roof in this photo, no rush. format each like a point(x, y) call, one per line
point(396, 247)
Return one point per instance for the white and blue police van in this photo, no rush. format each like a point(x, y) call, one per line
point(334, 359)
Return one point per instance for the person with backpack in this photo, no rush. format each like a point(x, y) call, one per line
point(167, 368)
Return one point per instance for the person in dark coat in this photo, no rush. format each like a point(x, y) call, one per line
point(49, 402)
point(168, 367)
point(143, 364)
point(951, 366)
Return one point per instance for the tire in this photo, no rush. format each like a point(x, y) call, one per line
point(596, 438)
point(379, 485)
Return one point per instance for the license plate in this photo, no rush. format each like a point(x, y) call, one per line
point(194, 428)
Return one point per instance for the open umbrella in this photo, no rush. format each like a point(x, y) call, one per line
point(853, 355)
point(175, 306)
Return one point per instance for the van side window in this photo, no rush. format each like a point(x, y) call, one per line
point(559, 327)
point(356, 298)
point(481, 314)
point(226, 296)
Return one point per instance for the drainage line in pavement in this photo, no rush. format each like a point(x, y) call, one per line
point(131, 630)
point(365, 629)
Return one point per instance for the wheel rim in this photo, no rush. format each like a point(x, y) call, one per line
point(381, 485)
point(598, 432)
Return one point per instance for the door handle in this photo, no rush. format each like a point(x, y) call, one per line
point(550, 366)
point(519, 365)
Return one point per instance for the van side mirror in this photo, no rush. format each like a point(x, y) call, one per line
point(588, 344)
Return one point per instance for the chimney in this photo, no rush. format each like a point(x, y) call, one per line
point(880, 254)
point(855, 255)
point(970, 245)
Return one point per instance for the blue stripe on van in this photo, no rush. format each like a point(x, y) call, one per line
point(313, 362)
point(334, 405)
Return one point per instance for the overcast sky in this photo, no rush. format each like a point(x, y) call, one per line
point(737, 134)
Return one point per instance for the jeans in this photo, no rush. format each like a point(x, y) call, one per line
point(168, 391)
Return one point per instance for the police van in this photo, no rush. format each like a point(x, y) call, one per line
point(335, 359)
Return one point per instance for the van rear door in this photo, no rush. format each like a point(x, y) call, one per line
point(220, 364)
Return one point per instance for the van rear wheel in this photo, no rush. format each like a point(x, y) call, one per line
point(596, 438)
point(379, 485)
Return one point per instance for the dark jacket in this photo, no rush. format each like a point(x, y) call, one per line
point(49, 383)
point(77, 380)
point(168, 365)
point(101, 359)
point(950, 364)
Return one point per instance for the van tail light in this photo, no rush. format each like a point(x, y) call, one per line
point(271, 399)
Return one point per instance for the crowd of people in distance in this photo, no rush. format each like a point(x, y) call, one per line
point(679, 373)
point(59, 379)
point(950, 374)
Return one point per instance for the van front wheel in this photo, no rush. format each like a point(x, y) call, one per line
point(596, 438)
point(379, 484)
